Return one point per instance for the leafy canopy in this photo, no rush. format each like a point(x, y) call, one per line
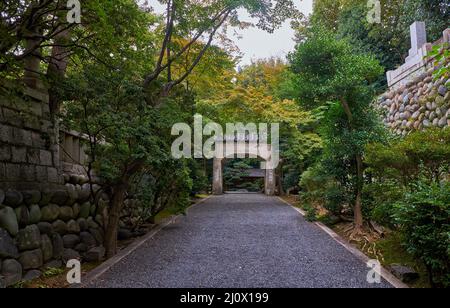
point(328, 69)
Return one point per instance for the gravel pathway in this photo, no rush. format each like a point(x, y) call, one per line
point(239, 241)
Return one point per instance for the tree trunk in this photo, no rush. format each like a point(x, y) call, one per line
point(431, 276)
point(357, 209)
point(116, 205)
point(57, 68)
point(119, 191)
point(359, 220)
point(32, 62)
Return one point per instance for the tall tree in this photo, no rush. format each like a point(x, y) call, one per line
point(26, 27)
point(389, 40)
point(198, 21)
point(327, 71)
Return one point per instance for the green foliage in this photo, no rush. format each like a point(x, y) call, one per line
point(436, 13)
point(109, 107)
point(17, 20)
point(421, 155)
point(112, 32)
point(379, 198)
point(194, 15)
point(441, 58)
point(52, 272)
point(335, 199)
point(262, 93)
point(235, 174)
point(319, 187)
point(299, 151)
point(328, 68)
point(252, 98)
point(420, 152)
point(334, 77)
point(311, 213)
point(388, 41)
point(410, 191)
point(424, 217)
point(159, 187)
point(212, 76)
point(314, 183)
point(117, 35)
point(200, 181)
point(128, 140)
point(394, 252)
point(131, 76)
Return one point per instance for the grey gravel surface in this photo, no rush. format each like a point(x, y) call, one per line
point(239, 241)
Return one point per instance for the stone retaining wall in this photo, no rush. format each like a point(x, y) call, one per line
point(47, 216)
point(29, 156)
point(422, 103)
point(44, 229)
point(416, 100)
point(49, 213)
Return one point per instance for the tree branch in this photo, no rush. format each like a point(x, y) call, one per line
point(199, 57)
point(158, 70)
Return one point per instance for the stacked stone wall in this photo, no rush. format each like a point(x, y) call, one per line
point(44, 229)
point(47, 217)
point(416, 100)
point(28, 141)
point(422, 103)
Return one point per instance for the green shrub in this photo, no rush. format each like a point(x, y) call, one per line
point(424, 153)
point(52, 272)
point(329, 220)
point(166, 185)
point(319, 187)
point(200, 182)
point(312, 179)
point(379, 199)
point(335, 200)
point(314, 183)
point(424, 217)
point(311, 213)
